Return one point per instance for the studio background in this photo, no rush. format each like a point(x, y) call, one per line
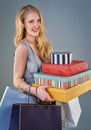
point(68, 28)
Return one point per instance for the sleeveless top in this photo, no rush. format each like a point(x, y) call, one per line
point(33, 64)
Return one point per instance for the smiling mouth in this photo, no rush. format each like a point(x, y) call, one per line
point(35, 30)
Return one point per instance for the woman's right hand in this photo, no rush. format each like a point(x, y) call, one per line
point(42, 94)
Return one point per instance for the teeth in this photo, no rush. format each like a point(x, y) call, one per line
point(35, 30)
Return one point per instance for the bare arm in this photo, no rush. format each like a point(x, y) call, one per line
point(20, 60)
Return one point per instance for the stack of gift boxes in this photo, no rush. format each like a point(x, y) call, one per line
point(63, 72)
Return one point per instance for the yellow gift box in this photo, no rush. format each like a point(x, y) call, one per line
point(68, 94)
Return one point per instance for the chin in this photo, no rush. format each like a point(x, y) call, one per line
point(36, 35)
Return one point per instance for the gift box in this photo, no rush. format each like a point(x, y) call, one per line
point(61, 57)
point(62, 82)
point(75, 67)
point(68, 94)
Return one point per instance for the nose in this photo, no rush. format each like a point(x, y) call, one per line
point(36, 24)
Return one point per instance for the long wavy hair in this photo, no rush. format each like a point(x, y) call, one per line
point(42, 43)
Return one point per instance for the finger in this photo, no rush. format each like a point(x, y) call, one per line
point(48, 97)
point(47, 86)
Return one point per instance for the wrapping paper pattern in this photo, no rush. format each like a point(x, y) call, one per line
point(62, 82)
point(61, 57)
point(65, 95)
point(75, 67)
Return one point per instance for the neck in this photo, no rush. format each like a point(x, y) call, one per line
point(31, 40)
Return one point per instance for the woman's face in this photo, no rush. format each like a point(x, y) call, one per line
point(32, 24)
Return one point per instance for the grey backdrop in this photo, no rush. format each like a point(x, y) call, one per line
point(68, 25)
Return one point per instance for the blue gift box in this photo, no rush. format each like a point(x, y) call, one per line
point(63, 82)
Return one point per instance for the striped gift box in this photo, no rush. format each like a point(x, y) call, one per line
point(61, 57)
point(62, 82)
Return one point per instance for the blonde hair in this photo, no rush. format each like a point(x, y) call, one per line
point(42, 44)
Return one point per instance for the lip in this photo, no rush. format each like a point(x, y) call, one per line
point(35, 30)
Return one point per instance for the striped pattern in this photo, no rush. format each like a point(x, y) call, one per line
point(62, 82)
point(61, 58)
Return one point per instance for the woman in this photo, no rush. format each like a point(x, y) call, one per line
point(32, 50)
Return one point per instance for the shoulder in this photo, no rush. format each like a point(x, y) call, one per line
point(21, 49)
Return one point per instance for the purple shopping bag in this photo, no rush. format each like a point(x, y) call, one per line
point(35, 117)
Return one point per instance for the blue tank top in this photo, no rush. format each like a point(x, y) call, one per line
point(33, 64)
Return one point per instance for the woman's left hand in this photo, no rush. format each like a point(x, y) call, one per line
point(42, 94)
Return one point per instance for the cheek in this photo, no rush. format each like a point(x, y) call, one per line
point(39, 24)
point(27, 28)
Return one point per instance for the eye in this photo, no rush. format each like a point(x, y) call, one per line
point(31, 21)
point(39, 20)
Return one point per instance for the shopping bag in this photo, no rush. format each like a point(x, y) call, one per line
point(11, 96)
point(35, 117)
point(71, 112)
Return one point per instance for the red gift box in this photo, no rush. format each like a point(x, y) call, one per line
point(75, 67)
